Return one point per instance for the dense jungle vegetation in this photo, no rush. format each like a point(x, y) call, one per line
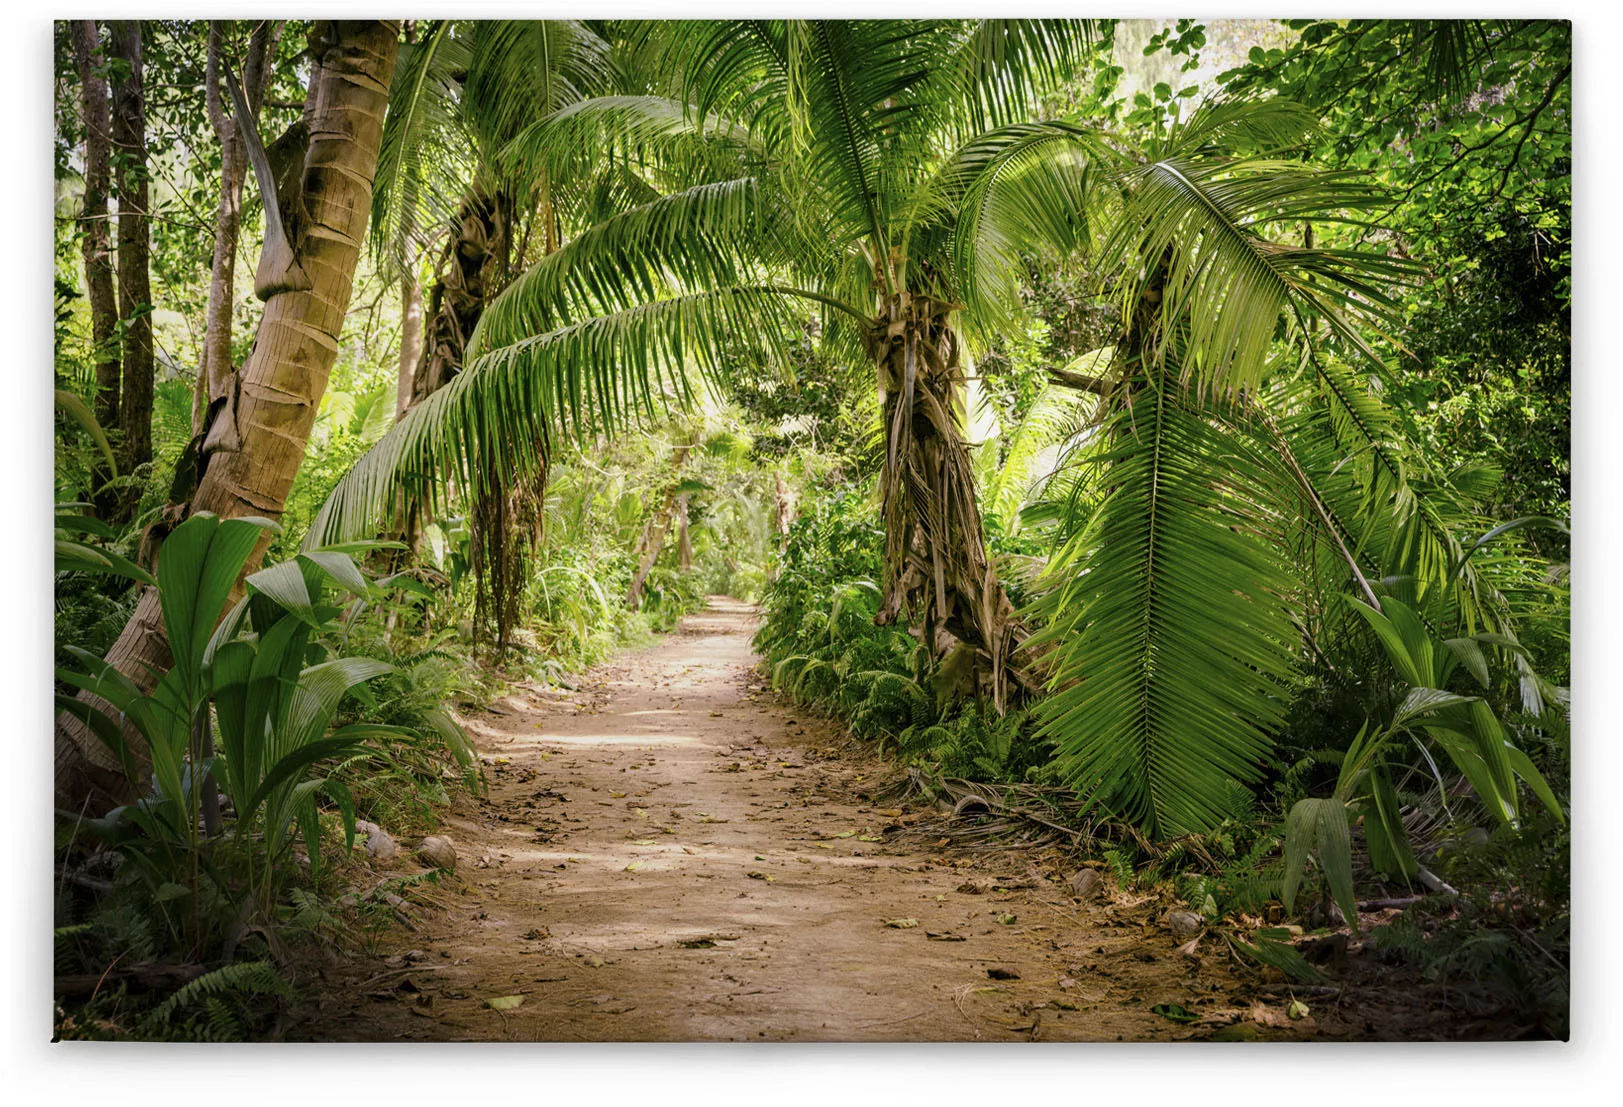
point(1162, 428)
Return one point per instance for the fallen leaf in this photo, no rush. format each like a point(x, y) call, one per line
point(639, 812)
point(1297, 1010)
point(943, 936)
point(901, 924)
point(617, 795)
point(1007, 919)
point(635, 866)
point(1003, 972)
point(870, 838)
point(845, 834)
point(504, 1003)
point(1176, 1012)
point(1267, 1016)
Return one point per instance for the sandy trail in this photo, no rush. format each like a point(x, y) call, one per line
point(670, 853)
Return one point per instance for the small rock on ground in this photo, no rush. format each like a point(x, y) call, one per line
point(438, 853)
point(1087, 883)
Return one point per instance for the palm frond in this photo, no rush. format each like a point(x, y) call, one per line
point(522, 68)
point(1172, 637)
point(706, 236)
point(1001, 68)
point(1201, 225)
point(1023, 190)
point(1054, 417)
point(647, 131)
point(496, 420)
point(426, 155)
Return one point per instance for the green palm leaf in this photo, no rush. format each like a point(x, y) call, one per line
point(494, 420)
point(1172, 637)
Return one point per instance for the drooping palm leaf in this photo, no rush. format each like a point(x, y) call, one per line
point(1172, 636)
point(493, 421)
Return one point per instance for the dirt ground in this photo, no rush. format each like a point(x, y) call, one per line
point(672, 853)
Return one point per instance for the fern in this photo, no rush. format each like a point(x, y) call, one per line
point(247, 978)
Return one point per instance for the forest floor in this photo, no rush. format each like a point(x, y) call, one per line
point(671, 853)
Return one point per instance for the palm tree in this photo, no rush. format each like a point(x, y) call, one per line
point(816, 148)
point(284, 377)
point(883, 175)
point(460, 96)
point(1241, 482)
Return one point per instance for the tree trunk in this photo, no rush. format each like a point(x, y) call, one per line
point(282, 382)
point(937, 574)
point(652, 540)
point(214, 375)
point(684, 543)
point(134, 249)
point(783, 507)
point(470, 274)
point(411, 333)
point(97, 244)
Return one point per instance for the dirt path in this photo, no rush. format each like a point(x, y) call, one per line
point(670, 853)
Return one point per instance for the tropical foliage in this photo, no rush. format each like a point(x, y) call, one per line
point(1175, 433)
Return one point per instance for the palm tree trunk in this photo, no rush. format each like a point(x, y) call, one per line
point(469, 277)
point(134, 250)
point(282, 382)
point(937, 573)
point(97, 244)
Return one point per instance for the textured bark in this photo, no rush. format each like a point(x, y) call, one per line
point(937, 574)
point(214, 375)
point(284, 377)
point(134, 249)
point(505, 522)
point(471, 271)
point(684, 542)
point(783, 506)
point(97, 245)
point(411, 334)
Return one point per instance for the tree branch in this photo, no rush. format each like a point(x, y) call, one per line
point(1080, 381)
